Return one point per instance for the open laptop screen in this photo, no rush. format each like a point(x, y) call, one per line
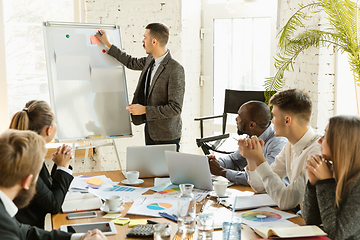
point(189, 168)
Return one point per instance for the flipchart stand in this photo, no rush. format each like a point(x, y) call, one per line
point(88, 144)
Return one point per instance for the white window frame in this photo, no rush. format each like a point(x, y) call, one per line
point(79, 16)
point(235, 9)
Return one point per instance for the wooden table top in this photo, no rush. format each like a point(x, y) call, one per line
point(117, 176)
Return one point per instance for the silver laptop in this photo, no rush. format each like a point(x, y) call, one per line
point(189, 168)
point(148, 160)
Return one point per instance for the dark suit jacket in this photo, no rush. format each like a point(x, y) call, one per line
point(49, 197)
point(10, 229)
point(166, 94)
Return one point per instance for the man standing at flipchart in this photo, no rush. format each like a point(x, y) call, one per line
point(159, 94)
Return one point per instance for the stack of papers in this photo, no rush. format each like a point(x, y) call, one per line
point(74, 202)
point(163, 186)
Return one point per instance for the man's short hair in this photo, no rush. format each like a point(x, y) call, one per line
point(258, 112)
point(293, 101)
point(21, 154)
point(159, 31)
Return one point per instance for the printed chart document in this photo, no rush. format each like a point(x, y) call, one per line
point(290, 231)
point(151, 205)
point(265, 217)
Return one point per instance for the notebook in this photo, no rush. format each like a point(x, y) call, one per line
point(290, 231)
point(148, 160)
point(189, 168)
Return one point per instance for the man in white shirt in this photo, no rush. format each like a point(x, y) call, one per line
point(21, 158)
point(291, 117)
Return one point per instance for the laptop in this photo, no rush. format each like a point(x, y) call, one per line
point(189, 168)
point(148, 160)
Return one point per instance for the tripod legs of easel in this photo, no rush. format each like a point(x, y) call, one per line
point(88, 145)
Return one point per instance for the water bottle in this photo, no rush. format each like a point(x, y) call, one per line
point(186, 209)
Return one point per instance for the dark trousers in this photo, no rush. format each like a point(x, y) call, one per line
point(149, 141)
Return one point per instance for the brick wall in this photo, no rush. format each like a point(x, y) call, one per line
point(183, 19)
point(313, 69)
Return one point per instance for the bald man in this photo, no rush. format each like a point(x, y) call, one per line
point(253, 119)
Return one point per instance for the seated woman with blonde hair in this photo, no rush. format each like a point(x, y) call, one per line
point(333, 190)
point(50, 189)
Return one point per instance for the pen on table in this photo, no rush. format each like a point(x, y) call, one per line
point(172, 217)
point(202, 207)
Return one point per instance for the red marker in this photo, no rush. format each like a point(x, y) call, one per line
point(104, 51)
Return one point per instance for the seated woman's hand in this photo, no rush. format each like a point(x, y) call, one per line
point(62, 156)
point(318, 169)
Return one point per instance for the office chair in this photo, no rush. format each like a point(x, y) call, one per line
point(233, 100)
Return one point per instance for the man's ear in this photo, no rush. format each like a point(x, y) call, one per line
point(154, 41)
point(288, 120)
point(252, 124)
point(26, 182)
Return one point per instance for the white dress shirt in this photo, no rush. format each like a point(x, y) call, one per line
point(290, 162)
point(12, 210)
point(155, 68)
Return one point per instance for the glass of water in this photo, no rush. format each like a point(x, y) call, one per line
point(232, 229)
point(205, 225)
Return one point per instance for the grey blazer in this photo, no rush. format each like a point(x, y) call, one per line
point(166, 94)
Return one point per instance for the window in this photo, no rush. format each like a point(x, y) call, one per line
point(241, 57)
point(238, 49)
point(24, 47)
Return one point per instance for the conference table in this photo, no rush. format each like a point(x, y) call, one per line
point(117, 176)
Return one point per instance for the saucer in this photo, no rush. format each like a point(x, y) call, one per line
point(139, 181)
point(106, 209)
point(213, 194)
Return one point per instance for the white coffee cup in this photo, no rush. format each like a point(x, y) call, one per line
point(220, 188)
point(132, 176)
point(114, 202)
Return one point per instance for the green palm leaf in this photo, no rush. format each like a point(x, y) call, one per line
point(342, 33)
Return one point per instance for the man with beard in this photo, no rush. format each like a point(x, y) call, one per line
point(21, 158)
point(253, 119)
point(159, 94)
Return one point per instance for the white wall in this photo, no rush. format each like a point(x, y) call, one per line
point(314, 69)
point(183, 19)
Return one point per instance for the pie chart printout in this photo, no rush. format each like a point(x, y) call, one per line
point(261, 216)
point(159, 206)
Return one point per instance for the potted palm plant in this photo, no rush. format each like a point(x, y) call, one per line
point(343, 34)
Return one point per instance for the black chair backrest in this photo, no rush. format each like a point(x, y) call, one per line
point(235, 98)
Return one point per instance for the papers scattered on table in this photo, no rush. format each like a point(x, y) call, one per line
point(164, 186)
point(249, 202)
point(131, 193)
point(83, 183)
point(161, 182)
point(151, 205)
